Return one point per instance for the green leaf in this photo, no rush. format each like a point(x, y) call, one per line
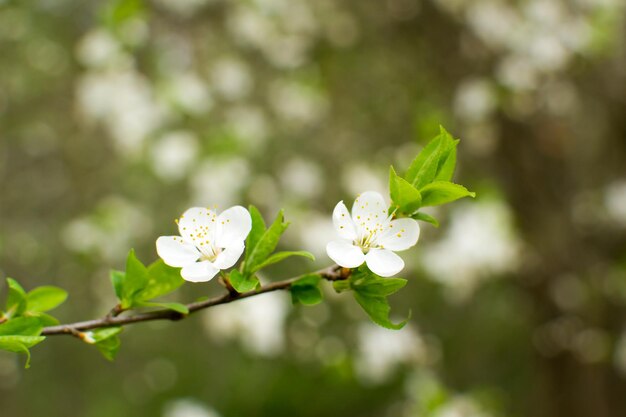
point(24, 326)
point(441, 192)
point(117, 279)
point(20, 344)
point(378, 286)
point(266, 244)
point(117, 12)
point(342, 285)
point(435, 162)
point(44, 319)
point(241, 282)
point(19, 334)
point(109, 347)
point(371, 292)
point(306, 290)
point(256, 232)
point(16, 299)
point(106, 340)
point(45, 298)
point(128, 284)
point(279, 256)
point(425, 218)
point(162, 279)
point(424, 167)
point(447, 163)
point(26, 341)
point(99, 335)
point(406, 198)
point(136, 276)
point(178, 307)
point(377, 308)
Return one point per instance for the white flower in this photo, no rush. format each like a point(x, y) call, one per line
point(370, 236)
point(207, 243)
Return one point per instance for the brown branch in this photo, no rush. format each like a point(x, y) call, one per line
point(333, 273)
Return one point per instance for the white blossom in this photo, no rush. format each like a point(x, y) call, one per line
point(208, 242)
point(370, 235)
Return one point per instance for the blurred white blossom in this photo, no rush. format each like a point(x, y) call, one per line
point(188, 407)
point(495, 22)
point(231, 78)
point(124, 103)
point(248, 26)
point(619, 354)
point(314, 231)
point(249, 125)
point(302, 178)
point(358, 176)
point(297, 103)
point(191, 93)
point(219, 181)
point(517, 73)
point(615, 201)
point(282, 31)
point(98, 48)
point(382, 351)
point(112, 228)
point(461, 406)
point(475, 100)
point(173, 153)
point(479, 242)
point(532, 39)
point(257, 323)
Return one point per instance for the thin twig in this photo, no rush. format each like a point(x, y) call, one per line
point(333, 273)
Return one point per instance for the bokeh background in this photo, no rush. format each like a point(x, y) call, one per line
point(117, 115)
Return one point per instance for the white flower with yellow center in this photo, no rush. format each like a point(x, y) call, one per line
point(370, 235)
point(208, 242)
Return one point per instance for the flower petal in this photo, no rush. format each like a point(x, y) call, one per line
point(384, 262)
point(233, 226)
point(401, 234)
point(199, 271)
point(345, 254)
point(198, 224)
point(229, 256)
point(343, 222)
point(369, 212)
point(175, 251)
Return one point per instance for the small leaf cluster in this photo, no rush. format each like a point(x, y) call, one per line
point(427, 181)
point(137, 287)
point(306, 290)
point(140, 284)
point(260, 252)
point(25, 315)
point(106, 339)
point(371, 292)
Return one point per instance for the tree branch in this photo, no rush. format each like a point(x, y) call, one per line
point(333, 273)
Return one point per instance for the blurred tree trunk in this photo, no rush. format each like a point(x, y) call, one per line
point(545, 169)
